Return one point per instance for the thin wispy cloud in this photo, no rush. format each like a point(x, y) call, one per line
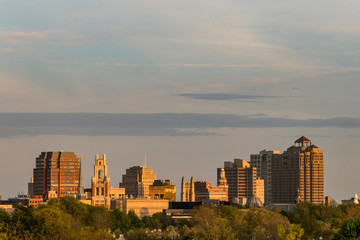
point(55, 37)
point(225, 96)
point(17, 37)
point(142, 124)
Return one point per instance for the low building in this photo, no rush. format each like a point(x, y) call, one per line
point(141, 206)
point(283, 206)
point(204, 191)
point(328, 200)
point(180, 210)
point(34, 201)
point(24, 200)
point(116, 193)
point(352, 200)
point(162, 189)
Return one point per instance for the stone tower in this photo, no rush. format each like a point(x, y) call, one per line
point(187, 190)
point(222, 181)
point(100, 183)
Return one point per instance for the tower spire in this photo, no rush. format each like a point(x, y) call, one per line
point(80, 186)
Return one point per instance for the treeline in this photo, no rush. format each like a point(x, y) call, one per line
point(67, 218)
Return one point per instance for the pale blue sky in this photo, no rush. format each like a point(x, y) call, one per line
point(293, 64)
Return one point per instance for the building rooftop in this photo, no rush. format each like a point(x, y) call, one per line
point(303, 140)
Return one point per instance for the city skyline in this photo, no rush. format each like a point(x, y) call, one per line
point(189, 83)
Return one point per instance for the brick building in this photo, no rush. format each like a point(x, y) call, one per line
point(57, 172)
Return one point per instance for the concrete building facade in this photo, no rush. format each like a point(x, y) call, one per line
point(137, 180)
point(57, 172)
point(298, 174)
point(141, 206)
point(262, 162)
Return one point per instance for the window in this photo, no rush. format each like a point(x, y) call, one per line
point(102, 191)
point(97, 191)
point(100, 174)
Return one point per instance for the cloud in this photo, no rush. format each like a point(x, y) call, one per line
point(143, 124)
point(17, 37)
point(224, 96)
point(57, 37)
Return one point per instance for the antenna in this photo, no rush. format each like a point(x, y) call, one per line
point(145, 159)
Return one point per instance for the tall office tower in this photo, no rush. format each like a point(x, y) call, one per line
point(137, 180)
point(100, 183)
point(187, 190)
point(57, 172)
point(298, 174)
point(241, 179)
point(262, 162)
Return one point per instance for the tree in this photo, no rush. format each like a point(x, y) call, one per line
point(292, 232)
point(4, 216)
point(134, 219)
point(349, 230)
point(54, 223)
point(120, 220)
point(99, 218)
point(209, 225)
point(305, 214)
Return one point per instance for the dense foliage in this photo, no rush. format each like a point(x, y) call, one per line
point(67, 218)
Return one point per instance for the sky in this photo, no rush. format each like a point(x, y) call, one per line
point(190, 83)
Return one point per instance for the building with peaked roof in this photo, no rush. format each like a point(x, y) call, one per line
point(298, 174)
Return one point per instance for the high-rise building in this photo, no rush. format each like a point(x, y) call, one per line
point(137, 180)
point(100, 183)
point(187, 190)
point(241, 179)
point(262, 162)
point(162, 189)
point(298, 174)
point(56, 172)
